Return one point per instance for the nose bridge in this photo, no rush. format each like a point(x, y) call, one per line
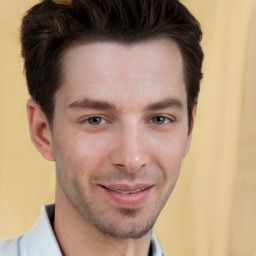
point(129, 150)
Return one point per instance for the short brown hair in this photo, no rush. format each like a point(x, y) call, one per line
point(49, 28)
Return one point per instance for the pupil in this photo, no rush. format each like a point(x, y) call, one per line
point(159, 119)
point(95, 120)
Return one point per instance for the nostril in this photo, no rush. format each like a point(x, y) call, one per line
point(121, 166)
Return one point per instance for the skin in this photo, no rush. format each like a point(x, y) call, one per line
point(119, 135)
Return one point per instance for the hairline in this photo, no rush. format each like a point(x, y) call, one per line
point(95, 38)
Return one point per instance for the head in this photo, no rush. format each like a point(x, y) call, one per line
point(117, 82)
point(52, 27)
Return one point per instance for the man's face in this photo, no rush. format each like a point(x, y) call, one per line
point(120, 132)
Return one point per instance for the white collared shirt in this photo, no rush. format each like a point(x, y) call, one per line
point(41, 240)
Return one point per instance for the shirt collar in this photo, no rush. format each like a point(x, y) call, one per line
point(41, 239)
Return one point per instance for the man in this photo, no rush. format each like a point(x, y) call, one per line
point(114, 87)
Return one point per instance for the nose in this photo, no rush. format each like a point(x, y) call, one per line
point(129, 149)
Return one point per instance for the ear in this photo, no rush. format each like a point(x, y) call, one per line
point(190, 130)
point(40, 131)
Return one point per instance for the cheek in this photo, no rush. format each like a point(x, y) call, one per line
point(79, 153)
point(169, 155)
point(171, 166)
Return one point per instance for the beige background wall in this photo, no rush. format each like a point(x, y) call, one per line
point(212, 211)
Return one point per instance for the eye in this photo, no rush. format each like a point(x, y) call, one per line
point(95, 120)
point(161, 120)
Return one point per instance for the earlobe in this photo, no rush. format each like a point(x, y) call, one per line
point(40, 131)
point(190, 131)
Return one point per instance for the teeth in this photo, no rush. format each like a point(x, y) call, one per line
point(126, 192)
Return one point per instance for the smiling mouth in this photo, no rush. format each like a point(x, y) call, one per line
point(125, 191)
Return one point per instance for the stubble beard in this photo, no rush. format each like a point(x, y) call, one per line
point(99, 220)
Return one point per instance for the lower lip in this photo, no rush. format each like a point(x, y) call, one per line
point(134, 199)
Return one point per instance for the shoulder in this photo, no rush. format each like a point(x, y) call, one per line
point(39, 241)
point(10, 247)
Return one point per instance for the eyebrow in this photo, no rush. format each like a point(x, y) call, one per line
point(166, 103)
point(104, 105)
point(89, 103)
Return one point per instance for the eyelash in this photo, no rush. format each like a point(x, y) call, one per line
point(87, 120)
point(166, 121)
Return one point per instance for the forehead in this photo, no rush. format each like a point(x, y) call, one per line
point(111, 69)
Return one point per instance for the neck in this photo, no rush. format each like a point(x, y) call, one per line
point(77, 236)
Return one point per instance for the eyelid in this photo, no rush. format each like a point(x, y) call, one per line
point(170, 119)
point(86, 118)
